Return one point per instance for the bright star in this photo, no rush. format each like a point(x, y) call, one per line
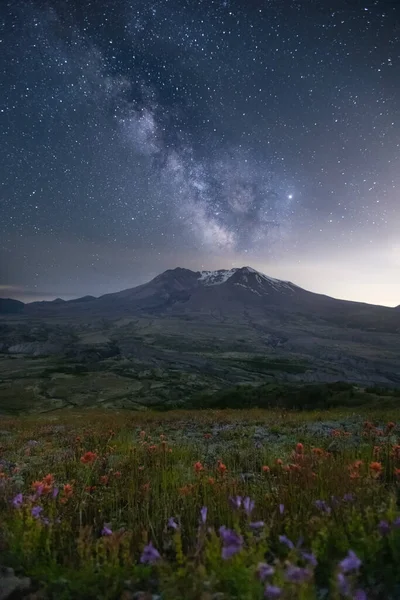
point(290, 196)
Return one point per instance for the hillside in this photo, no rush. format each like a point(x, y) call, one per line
point(187, 333)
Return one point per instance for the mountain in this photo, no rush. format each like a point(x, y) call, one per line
point(215, 328)
point(235, 293)
point(8, 306)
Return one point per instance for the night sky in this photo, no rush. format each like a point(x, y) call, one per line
point(138, 135)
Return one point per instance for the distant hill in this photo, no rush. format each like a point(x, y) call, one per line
point(8, 306)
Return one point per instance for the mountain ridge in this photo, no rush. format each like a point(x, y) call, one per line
point(207, 277)
point(237, 293)
point(226, 325)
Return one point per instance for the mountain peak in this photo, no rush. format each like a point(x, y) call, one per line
point(246, 277)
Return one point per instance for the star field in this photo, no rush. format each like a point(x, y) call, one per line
point(143, 135)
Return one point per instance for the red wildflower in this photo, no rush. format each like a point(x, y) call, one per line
point(376, 468)
point(88, 458)
point(207, 436)
point(104, 479)
point(211, 480)
point(266, 469)
point(318, 451)
point(279, 461)
point(198, 467)
point(68, 490)
point(299, 448)
point(396, 451)
point(48, 480)
point(117, 474)
point(221, 467)
point(186, 490)
point(294, 467)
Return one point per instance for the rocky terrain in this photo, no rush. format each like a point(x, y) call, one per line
point(185, 333)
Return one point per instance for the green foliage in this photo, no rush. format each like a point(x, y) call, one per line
point(296, 397)
point(289, 396)
point(133, 472)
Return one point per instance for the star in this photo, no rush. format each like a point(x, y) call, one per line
point(197, 133)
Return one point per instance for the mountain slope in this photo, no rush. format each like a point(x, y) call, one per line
point(8, 306)
point(221, 326)
point(235, 294)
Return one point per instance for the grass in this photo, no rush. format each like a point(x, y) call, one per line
point(109, 505)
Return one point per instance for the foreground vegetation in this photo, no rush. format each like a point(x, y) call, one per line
point(203, 505)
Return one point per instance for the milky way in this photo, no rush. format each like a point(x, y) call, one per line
point(138, 136)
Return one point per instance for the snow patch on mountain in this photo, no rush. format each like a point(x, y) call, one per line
point(216, 277)
point(248, 288)
point(222, 275)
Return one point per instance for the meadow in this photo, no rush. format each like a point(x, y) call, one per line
point(211, 505)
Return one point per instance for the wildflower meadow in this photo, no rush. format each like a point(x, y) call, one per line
point(204, 505)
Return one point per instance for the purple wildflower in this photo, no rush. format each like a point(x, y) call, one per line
point(18, 500)
point(32, 443)
point(45, 521)
point(36, 510)
point(39, 491)
point(235, 502)
point(150, 555)
point(350, 563)
point(396, 522)
point(281, 508)
point(310, 558)
point(322, 506)
point(297, 574)
point(264, 570)
point(256, 525)
point(232, 542)
point(272, 592)
point(55, 492)
point(172, 523)
point(203, 514)
point(285, 540)
point(248, 506)
point(348, 497)
point(384, 528)
point(343, 584)
point(106, 530)
point(360, 595)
